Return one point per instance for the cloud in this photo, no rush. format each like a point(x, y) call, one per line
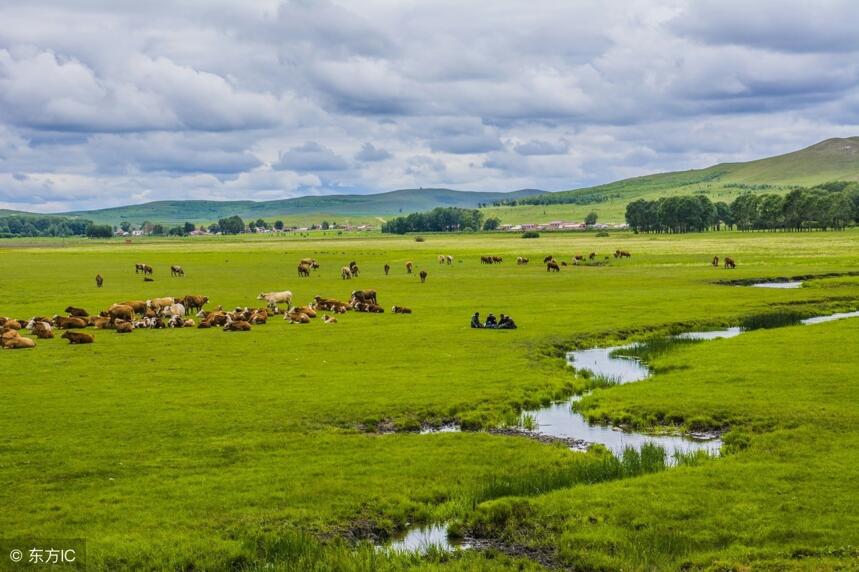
point(370, 153)
point(277, 98)
point(309, 157)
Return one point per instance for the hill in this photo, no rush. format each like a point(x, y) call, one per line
point(829, 160)
point(309, 208)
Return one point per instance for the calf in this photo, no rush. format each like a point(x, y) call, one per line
point(176, 271)
point(123, 327)
point(401, 310)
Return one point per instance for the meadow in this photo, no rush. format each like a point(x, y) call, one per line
point(287, 446)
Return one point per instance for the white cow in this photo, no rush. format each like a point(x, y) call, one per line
point(173, 310)
point(275, 298)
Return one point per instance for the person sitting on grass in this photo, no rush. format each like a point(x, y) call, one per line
point(491, 322)
point(475, 320)
point(506, 323)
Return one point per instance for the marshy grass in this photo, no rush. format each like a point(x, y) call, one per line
point(593, 468)
point(653, 348)
point(528, 422)
point(771, 320)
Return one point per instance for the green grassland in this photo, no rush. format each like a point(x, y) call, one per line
point(200, 449)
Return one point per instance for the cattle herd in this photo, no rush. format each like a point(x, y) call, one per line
point(189, 311)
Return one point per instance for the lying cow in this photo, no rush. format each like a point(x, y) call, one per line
point(401, 310)
point(12, 340)
point(78, 337)
point(76, 312)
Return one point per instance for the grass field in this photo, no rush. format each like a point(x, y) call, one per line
point(200, 449)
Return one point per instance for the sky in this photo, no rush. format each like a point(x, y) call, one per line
point(111, 103)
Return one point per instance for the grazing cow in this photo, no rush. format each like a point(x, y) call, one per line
point(176, 270)
point(387, 269)
point(12, 340)
point(449, 259)
point(123, 327)
point(303, 270)
point(346, 273)
point(364, 296)
point(274, 298)
point(409, 267)
point(486, 260)
point(578, 258)
point(592, 255)
point(548, 258)
point(729, 262)
point(552, 266)
point(522, 260)
point(496, 259)
point(401, 310)
point(564, 263)
point(145, 268)
point(99, 281)
point(715, 262)
point(311, 262)
point(328, 319)
point(441, 259)
point(77, 312)
point(423, 276)
point(120, 312)
point(354, 268)
point(69, 323)
point(78, 337)
point(193, 303)
point(622, 254)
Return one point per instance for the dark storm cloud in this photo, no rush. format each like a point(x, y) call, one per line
point(103, 104)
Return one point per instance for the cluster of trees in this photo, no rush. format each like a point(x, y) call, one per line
point(27, 225)
point(828, 206)
point(441, 219)
point(556, 199)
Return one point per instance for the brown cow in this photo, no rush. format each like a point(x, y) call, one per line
point(12, 340)
point(401, 310)
point(387, 269)
point(41, 329)
point(237, 326)
point(123, 327)
point(296, 316)
point(353, 266)
point(303, 270)
point(139, 306)
point(120, 312)
point(729, 262)
point(364, 296)
point(497, 259)
point(548, 258)
point(552, 266)
point(328, 319)
point(77, 312)
point(486, 260)
point(423, 276)
point(68, 323)
point(194, 303)
point(715, 262)
point(99, 281)
point(78, 337)
point(409, 267)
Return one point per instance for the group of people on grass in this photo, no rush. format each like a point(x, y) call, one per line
point(502, 323)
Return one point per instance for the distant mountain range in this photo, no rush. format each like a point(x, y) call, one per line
point(380, 204)
point(829, 160)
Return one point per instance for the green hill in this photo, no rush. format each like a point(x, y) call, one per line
point(829, 160)
point(307, 209)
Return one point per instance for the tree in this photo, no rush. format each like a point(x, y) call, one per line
point(189, 227)
point(93, 231)
point(325, 225)
point(232, 225)
point(278, 224)
point(157, 229)
point(591, 219)
point(492, 223)
point(125, 226)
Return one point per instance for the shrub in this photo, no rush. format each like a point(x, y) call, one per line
point(530, 234)
point(603, 234)
point(420, 239)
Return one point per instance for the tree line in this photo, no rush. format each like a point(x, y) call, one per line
point(34, 226)
point(827, 206)
point(440, 219)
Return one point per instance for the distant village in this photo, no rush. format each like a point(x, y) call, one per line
point(560, 225)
